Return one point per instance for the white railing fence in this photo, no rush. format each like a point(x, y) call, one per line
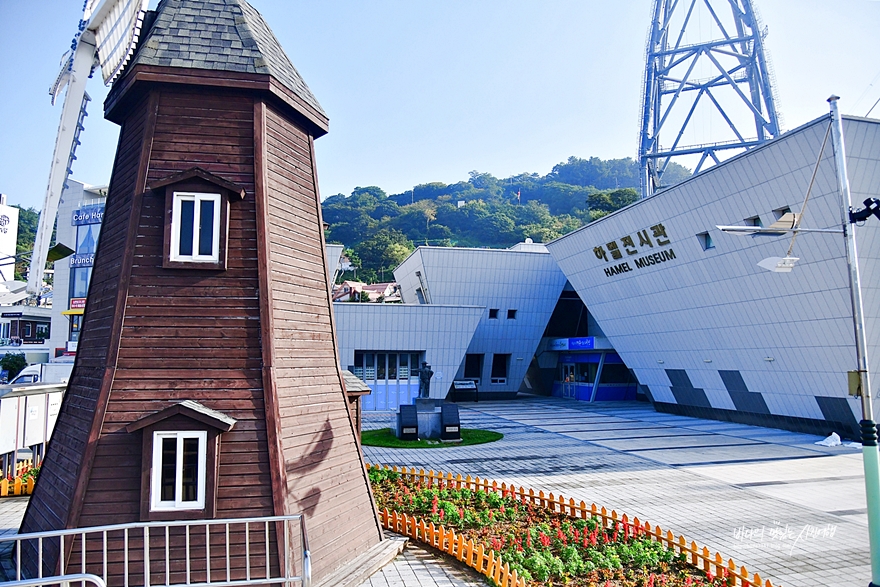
point(194, 553)
point(61, 581)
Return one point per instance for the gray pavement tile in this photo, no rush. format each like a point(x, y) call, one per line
point(673, 442)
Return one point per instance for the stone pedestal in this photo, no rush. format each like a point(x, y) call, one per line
point(429, 423)
point(426, 404)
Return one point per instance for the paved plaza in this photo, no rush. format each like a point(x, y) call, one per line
point(771, 500)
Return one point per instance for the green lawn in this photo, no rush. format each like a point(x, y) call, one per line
point(385, 437)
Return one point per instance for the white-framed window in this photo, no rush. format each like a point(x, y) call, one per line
point(195, 227)
point(178, 479)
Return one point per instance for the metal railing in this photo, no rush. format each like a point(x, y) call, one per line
point(193, 553)
point(62, 581)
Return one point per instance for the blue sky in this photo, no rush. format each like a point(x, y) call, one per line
point(428, 91)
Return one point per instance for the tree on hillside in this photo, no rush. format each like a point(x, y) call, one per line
point(28, 220)
point(383, 251)
point(612, 200)
point(610, 173)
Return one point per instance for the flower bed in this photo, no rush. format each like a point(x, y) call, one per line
point(542, 541)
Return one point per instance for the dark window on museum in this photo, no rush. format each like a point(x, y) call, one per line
point(385, 366)
point(511, 314)
point(706, 241)
point(403, 371)
point(493, 313)
point(499, 368)
point(754, 221)
point(616, 373)
point(780, 212)
point(392, 365)
point(380, 366)
point(195, 227)
point(473, 366)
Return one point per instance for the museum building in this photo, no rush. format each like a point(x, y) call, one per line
point(708, 332)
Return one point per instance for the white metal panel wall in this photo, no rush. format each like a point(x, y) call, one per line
point(789, 335)
point(52, 414)
point(35, 420)
point(8, 424)
point(442, 332)
point(527, 281)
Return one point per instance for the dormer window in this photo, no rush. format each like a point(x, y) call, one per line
point(195, 227)
point(196, 218)
point(180, 461)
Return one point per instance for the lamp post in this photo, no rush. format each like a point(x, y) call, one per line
point(870, 454)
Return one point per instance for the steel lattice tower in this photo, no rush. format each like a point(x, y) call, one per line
point(694, 83)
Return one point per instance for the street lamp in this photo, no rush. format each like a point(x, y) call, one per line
point(790, 223)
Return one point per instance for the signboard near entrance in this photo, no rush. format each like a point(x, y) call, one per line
point(583, 343)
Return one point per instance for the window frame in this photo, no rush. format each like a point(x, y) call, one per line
point(174, 194)
point(479, 358)
point(178, 423)
point(706, 241)
point(156, 504)
point(503, 360)
point(198, 198)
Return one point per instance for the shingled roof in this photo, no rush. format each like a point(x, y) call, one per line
point(221, 35)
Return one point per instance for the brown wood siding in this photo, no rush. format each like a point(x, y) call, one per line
point(53, 504)
point(154, 335)
point(321, 456)
point(192, 334)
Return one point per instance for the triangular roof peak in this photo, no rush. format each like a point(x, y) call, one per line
point(190, 409)
point(198, 173)
point(222, 36)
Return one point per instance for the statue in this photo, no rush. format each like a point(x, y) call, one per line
point(425, 374)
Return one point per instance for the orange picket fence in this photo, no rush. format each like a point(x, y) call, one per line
point(18, 485)
point(475, 556)
point(491, 565)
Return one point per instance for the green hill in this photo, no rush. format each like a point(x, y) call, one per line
point(380, 230)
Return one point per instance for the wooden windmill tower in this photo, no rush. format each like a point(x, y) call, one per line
point(208, 328)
